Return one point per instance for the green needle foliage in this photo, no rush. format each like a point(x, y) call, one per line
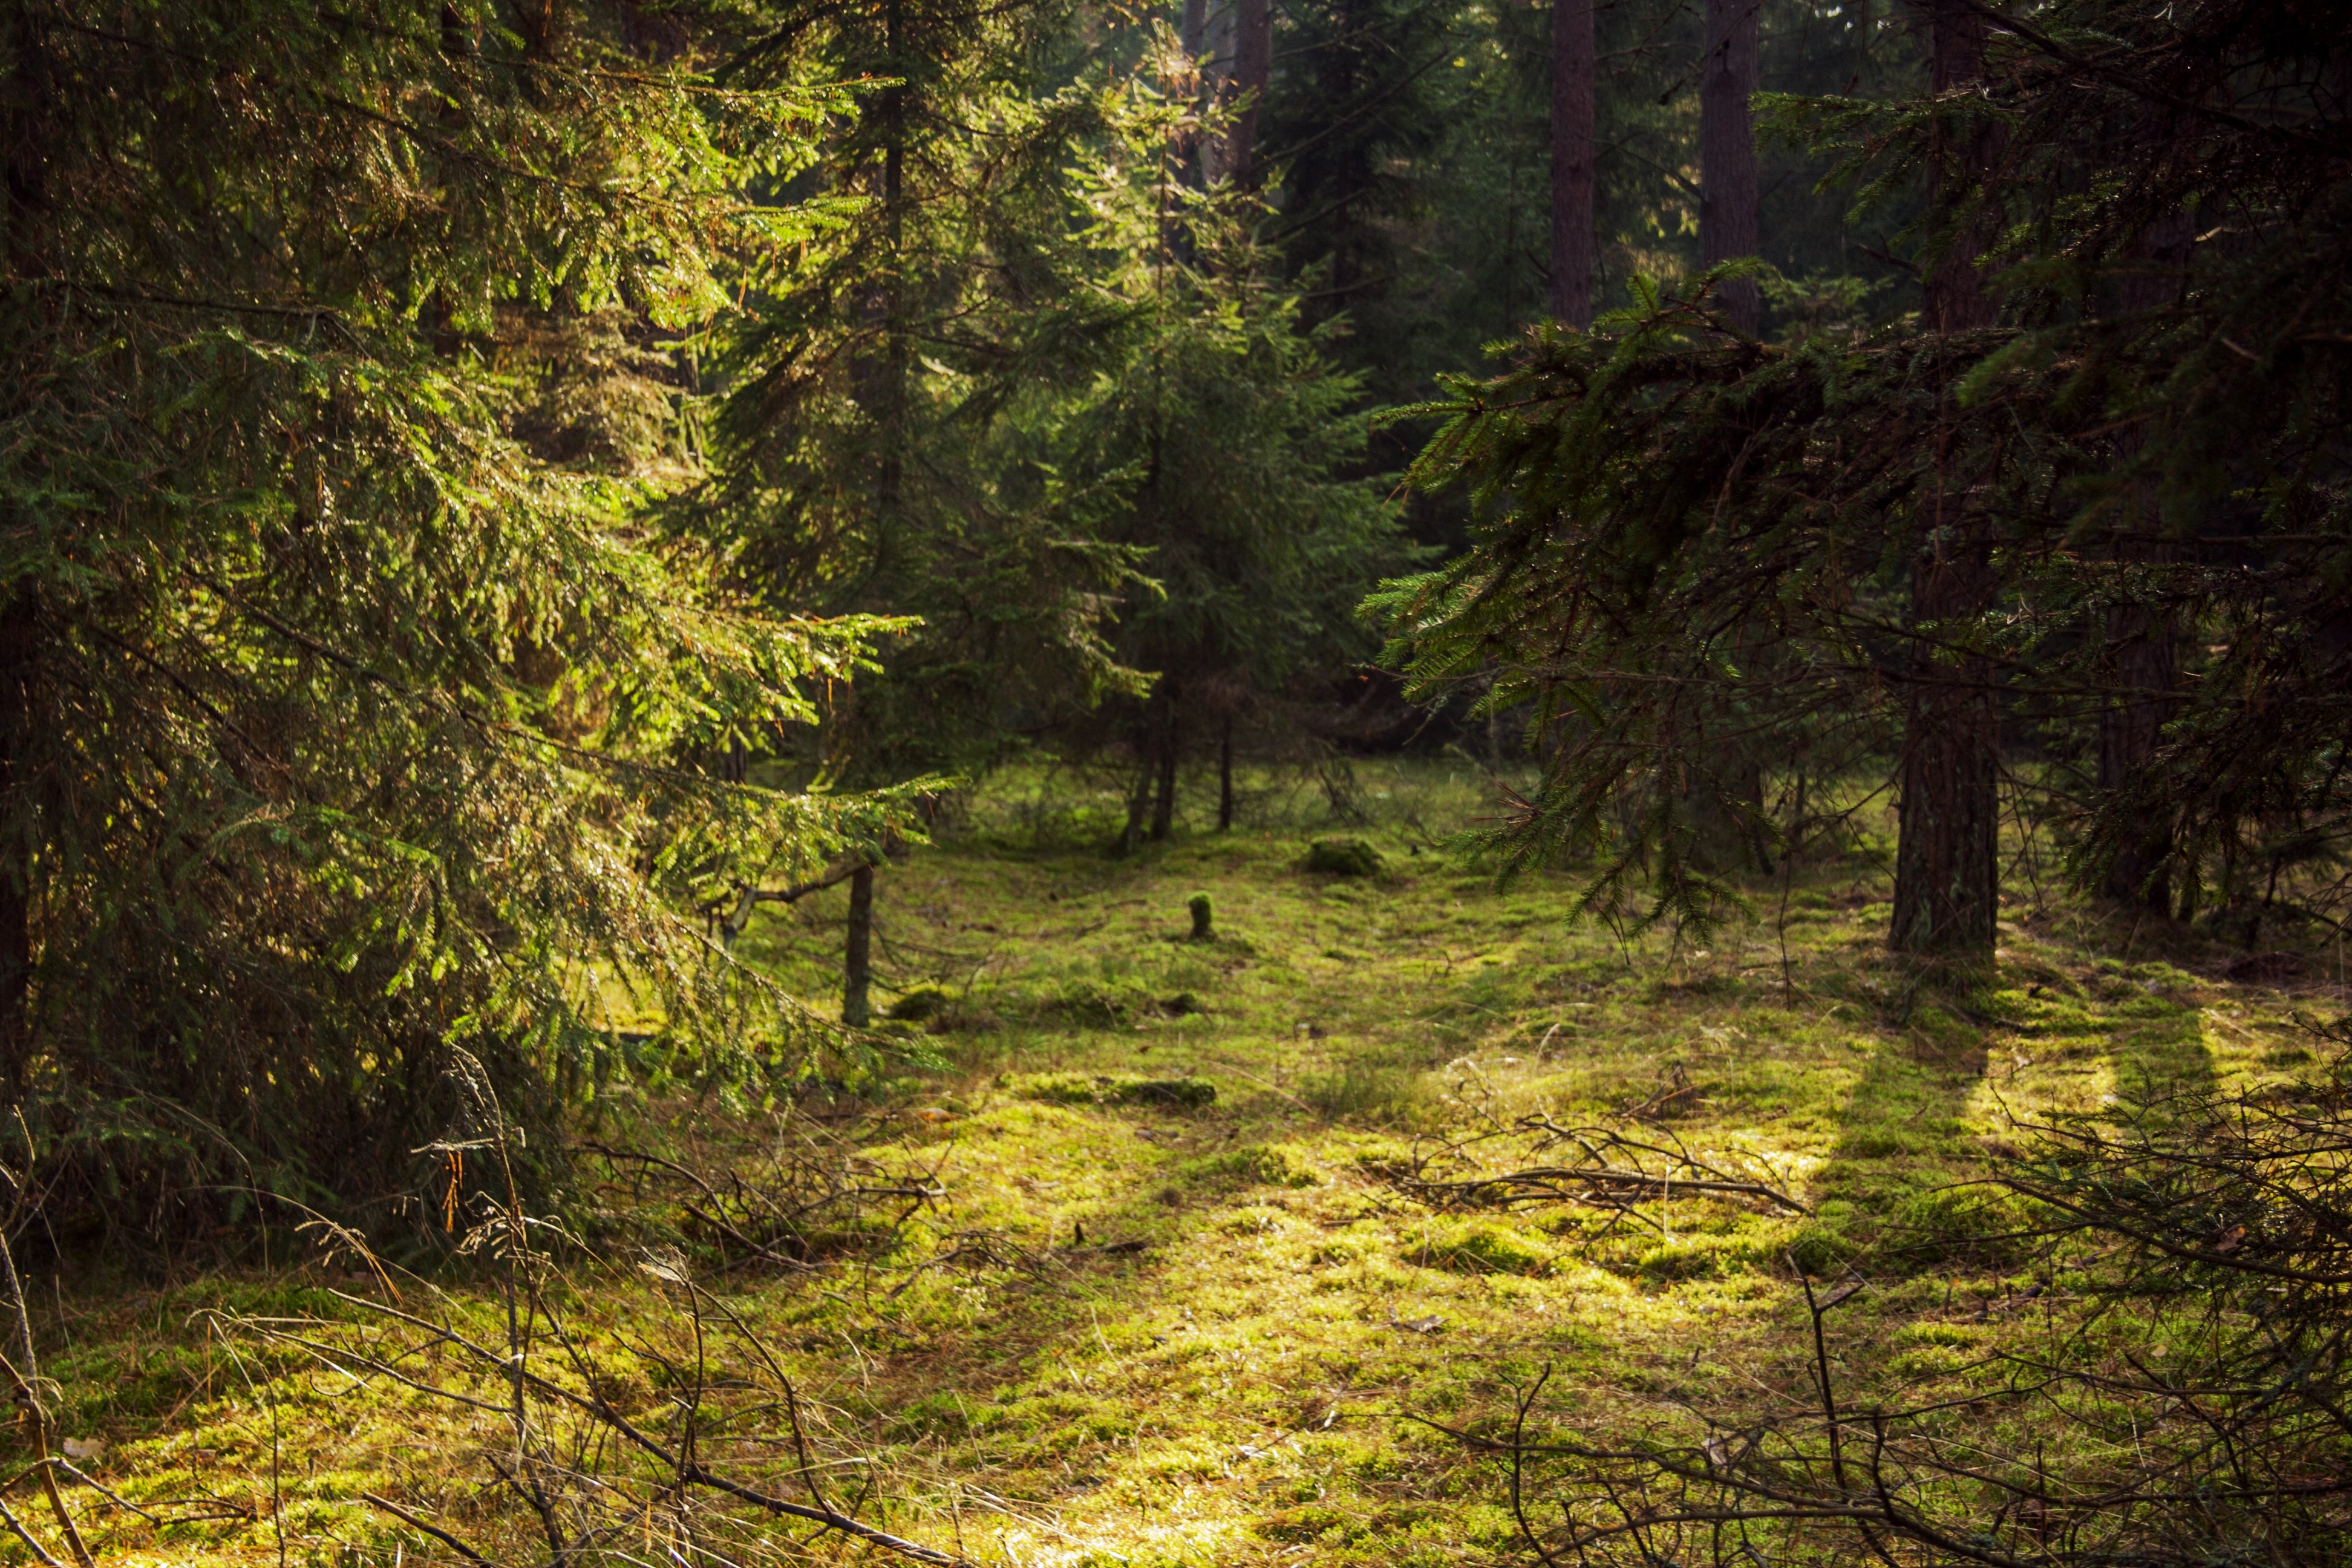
point(896, 432)
point(1699, 558)
point(340, 725)
point(1241, 432)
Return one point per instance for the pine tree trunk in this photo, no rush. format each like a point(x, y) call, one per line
point(1253, 70)
point(1727, 223)
point(2142, 635)
point(1574, 150)
point(1947, 857)
point(857, 966)
point(1225, 779)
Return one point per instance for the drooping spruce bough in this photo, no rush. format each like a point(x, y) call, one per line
point(1703, 558)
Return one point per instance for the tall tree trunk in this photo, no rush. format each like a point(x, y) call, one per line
point(29, 89)
point(19, 654)
point(1193, 33)
point(1947, 855)
point(1727, 227)
point(1253, 71)
point(858, 961)
point(1225, 778)
point(1947, 859)
point(1574, 150)
point(1726, 141)
point(1163, 801)
point(2143, 635)
point(1217, 57)
point(892, 476)
point(1139, 801)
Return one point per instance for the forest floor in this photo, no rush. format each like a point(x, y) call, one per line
point(1119, 1321)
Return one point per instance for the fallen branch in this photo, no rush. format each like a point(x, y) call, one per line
point(435, 1530)
point(1606, 1184)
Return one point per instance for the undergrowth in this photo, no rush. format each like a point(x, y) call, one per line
point(1159, 1268)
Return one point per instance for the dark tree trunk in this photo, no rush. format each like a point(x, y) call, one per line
point(1139, 801)
point(1955, 294)
point(29, 89)
point(1163, 799)
point(2142, 635)
point(1193, 32)
point(1946, 856)
point(857, 966)
point(1751, 783)
point(1574, 150)
point(1947, 859)
point(1727, 139)
point(1225, 779)
point(1253, 70)
point(19, 652)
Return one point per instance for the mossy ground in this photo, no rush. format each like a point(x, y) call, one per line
point(1264, 1380)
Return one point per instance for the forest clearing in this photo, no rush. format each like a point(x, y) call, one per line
point(1158, 1263)
point(1528, 784)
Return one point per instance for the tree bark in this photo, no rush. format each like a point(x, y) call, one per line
point(1947, 859)
point(1727, 228)
point(1139, 801)
point(1215, 55)
point(1728, 221)
point(1947, 855)
point(857, 966)
point(1253, 70)
point(1163, 800)
point(1225, 779)
point(2143, 635)
point(29, 91)
point(20, 653)
point(1574, 152)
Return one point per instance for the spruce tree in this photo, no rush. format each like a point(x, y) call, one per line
point(893, 434)
point(1246, 514)
point(341, 711)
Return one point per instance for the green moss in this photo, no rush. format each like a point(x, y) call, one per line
point(1111, 1089)
point(1975, 1225)
point(1478, 1247)
point(1344, 857)
point(921, 1004)
point(1168, 1403)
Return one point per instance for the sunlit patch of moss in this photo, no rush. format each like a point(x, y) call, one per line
point(1478, 1247)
